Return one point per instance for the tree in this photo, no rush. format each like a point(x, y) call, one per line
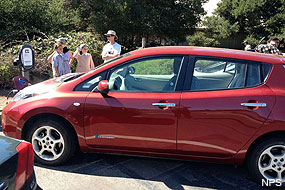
point(200, 39)
point(133, 19)
point(23, 19)
point(251, 18)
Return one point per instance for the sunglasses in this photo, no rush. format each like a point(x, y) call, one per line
point(109, 36)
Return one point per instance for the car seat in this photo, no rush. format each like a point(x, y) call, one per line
point(172, 82)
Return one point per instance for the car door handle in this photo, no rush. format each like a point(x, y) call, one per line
point(164, 104)
point(254, 104)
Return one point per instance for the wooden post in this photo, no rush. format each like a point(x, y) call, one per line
point(143, 42)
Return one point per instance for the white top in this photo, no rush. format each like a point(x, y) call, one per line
point(247, 47)
point(111, 50)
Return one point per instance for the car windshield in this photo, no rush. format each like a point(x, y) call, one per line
point(67, 77)
point(72, 76)
point(111, 61)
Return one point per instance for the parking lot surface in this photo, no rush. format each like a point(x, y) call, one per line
point(120, 172)
point(98, 171)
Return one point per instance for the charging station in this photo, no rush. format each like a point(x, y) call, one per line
point(26, 60)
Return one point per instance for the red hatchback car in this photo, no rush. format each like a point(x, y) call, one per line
point(180, 102)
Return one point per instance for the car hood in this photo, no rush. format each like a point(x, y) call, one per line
point(45, 86)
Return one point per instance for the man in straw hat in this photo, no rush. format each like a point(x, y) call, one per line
point(112, 49)
point(247, 47)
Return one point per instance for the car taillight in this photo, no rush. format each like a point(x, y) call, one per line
point(25, 166)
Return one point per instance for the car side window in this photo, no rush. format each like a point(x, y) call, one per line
point(212, 74)
point(90, 83)
point(156, 74)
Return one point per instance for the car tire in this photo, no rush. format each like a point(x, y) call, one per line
point(52, 141)
point(266, 163)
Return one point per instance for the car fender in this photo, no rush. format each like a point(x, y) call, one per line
point(76, 122)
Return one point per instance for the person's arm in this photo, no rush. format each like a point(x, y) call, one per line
point(55, 63)
point(104, 53)
point(117, 53)
point(110, 57)
point(56, 70)
point(71, 57)
point(76, 54)
point(91, 62)
point(106, 56)
point(120, 50)
point(50, 57)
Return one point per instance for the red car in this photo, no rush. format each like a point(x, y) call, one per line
point(180, 102)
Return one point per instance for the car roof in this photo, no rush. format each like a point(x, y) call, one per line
point(209, 51)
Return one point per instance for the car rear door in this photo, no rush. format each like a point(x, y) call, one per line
point(218, 119)
point(141, 108)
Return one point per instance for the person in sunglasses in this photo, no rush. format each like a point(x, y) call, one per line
point(112, 49)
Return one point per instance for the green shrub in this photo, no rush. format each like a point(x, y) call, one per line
point(43, 47)
point(154, 67)
point(200, 39)
point(7, 70)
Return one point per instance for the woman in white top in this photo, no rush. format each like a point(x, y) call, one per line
point(84, 60)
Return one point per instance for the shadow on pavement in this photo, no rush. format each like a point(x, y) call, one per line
point(173, 173)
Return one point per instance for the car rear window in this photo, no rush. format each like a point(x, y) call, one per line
point(216, 74)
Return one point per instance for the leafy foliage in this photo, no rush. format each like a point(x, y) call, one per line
point(200, 39)
point(24, 19)
point(43, 47)
point(7, 70)
point(154, 67)
point(133, 19)
point(251, 18)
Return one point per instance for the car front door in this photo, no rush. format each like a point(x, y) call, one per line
point(141, 108)
point(224, 107)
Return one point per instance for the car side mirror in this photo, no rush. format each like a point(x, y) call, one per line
point(103, 86)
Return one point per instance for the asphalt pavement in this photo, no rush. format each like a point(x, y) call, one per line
point(121, 172)
point(99, 171)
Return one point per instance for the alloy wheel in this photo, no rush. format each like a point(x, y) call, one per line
point(271, 163)
point(48, 143)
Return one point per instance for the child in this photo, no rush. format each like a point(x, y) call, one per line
point(57, 61)
point(84, 59)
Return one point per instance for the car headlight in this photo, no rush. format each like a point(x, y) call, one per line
point(32, 91)
point(22, 95)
